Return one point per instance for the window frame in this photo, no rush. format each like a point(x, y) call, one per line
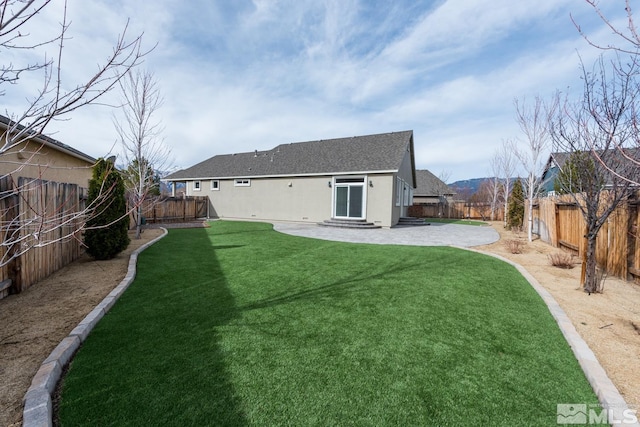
point(215, 185)
point(242, 182)
point(197, 185)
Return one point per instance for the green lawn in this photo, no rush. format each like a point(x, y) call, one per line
point(456, 221)
point(239, 325)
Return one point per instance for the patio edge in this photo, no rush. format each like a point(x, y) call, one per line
point(38, 411)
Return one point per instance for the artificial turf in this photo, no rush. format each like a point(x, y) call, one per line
point(456, 221)
point(240, 325)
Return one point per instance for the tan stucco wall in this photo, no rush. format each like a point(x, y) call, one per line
point(297, 199)
point(31, 160)
point(406, 174)
point(306, 199)
point(380, 200)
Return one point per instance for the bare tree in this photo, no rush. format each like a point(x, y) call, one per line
point(506, 162)
point(495, 184)
point(533, 120)
point(140, 136)
point(444, 175)
point(591, 131)
point(53, 100)
point(628, 34)
point(481, 200)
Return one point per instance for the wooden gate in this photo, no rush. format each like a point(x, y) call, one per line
point(569, 226)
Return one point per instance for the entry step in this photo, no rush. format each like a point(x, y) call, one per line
point(348, 223)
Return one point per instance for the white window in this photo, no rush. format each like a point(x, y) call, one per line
point(405, 197)
point(196, 185)
point(398, 191)
point(242, 183)
point(215, 185)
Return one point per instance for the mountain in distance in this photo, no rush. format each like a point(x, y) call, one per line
point(467, 186)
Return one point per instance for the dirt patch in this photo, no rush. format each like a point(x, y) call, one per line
point(35, 321)
point(605, 321)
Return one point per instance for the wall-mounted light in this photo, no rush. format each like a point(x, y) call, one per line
point(290, 184)
point(329, 184)
point(370, 183)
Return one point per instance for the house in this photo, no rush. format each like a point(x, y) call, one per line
point(366, 178)
point(431, 190)
point(42, 157)
point(36, 211)
point(621, 164)
point(551, 170)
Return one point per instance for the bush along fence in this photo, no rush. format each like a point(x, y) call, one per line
point(42, 216)
point(558, 221)
point(159, 210)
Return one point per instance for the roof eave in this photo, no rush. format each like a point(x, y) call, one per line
point(168, 179)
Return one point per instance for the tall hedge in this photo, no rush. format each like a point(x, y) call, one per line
point(107, 228)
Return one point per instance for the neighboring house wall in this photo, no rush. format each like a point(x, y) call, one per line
point(33, 160)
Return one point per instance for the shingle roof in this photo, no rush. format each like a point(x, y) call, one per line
point(51, 142)
point(370, 153)
point(613, 159)
point(430, 185)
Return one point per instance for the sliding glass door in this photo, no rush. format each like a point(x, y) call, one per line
point(349, 198)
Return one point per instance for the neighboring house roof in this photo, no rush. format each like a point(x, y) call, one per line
point(359, 154)
point(612, 157)
point(429, 185)
point(5, 122)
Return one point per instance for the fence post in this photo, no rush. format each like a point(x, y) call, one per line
point(11, 213)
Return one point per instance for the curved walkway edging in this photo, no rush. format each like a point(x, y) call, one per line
point(38, 410)
point(608, 394)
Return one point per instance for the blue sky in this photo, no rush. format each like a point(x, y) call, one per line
point(241, 75)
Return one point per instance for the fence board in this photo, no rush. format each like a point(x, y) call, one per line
point(174, 209)
point(561, 224)
point(456, 210)
point(633, 243)
point(46, 215)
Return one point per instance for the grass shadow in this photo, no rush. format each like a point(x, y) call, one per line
point(180, 313)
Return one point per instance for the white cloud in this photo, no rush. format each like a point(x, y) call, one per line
point(238, 76)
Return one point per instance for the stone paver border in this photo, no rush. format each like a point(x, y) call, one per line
point(38, 410)
point(608, 394)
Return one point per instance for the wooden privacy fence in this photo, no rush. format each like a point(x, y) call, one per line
point(44, 217)
point(174, 209)
point(559, 222)
point(456, 210)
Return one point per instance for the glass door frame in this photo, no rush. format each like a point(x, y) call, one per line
point(348, 182)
